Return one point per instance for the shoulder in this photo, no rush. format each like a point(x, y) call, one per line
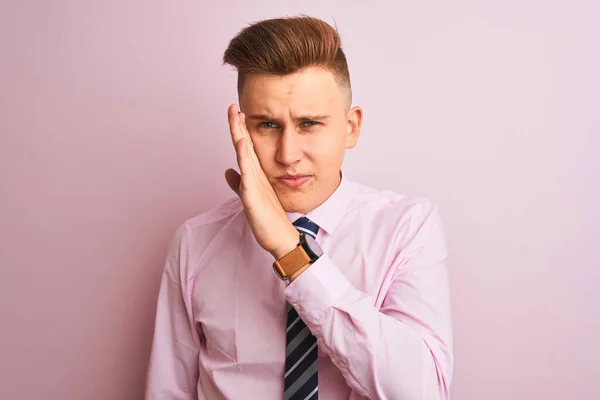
point(390, 203)
point(405, 214)
point(217, 216)
point(407, 224)
point(195, 236)
point(196, 233)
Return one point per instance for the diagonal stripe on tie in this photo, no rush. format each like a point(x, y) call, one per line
point(306, 384)
point(305, 225)
point(308, 390)
point(301, 352)
point(295, 342)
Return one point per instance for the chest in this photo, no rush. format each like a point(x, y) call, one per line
point(239, 302)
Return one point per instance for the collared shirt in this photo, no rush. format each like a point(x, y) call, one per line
point(377, 301)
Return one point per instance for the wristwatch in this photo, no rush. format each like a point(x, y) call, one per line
point(308, 251)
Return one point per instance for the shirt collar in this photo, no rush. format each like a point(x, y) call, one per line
point(329, 214)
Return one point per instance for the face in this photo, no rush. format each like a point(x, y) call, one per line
point(300, 126)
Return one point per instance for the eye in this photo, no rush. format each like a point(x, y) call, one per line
point(267, 125)
point(310, 124)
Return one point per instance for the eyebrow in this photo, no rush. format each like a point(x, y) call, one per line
point(308, 117)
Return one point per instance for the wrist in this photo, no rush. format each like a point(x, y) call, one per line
point(288, 244)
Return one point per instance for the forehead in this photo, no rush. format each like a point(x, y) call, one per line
point(309, 90)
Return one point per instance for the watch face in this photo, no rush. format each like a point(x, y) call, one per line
point(313, 247)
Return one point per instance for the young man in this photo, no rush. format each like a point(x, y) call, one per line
point(306, 285)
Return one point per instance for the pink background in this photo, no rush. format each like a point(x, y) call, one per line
point(113, 131)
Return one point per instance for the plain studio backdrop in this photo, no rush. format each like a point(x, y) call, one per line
point(113, 131)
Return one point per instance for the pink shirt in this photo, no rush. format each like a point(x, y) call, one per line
point(377, 301)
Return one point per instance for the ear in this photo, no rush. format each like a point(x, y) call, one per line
point(353, 124)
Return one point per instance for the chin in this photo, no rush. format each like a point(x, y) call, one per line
point(292, 207)
point(292, 204)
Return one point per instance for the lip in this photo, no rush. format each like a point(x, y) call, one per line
point(293, 181)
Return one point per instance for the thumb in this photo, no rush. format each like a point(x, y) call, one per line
point(233, 180)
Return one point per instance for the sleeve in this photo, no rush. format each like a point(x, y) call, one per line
point(173, 367)
point(399, 350)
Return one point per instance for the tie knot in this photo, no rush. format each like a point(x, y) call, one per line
point(305, 225)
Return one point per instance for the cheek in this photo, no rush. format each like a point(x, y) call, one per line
point(265, 151)
point(327, 149)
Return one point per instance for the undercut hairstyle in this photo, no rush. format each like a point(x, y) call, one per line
point(283, 46)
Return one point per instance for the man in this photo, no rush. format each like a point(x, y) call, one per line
point(306, 285)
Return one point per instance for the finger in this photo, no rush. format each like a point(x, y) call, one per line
point(240, 136)
point(234, 125)
point(244, 158)
point(244, 128)
point(233, 180)
point(246, 133)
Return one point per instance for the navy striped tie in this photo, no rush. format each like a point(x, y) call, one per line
point(301, 376)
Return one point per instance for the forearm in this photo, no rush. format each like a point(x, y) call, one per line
point(380, 356)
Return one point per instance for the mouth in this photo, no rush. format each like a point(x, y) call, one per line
point(293, 181)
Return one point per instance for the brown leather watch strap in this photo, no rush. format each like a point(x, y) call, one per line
point(287, 265)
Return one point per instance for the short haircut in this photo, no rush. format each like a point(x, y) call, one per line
point(283, 46)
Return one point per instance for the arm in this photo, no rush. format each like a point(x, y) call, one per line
point(400, 350)
point(173, 368)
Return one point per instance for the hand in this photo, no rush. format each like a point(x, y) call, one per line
point(270, 226)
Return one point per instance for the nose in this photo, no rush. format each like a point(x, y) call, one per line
point(289, 148)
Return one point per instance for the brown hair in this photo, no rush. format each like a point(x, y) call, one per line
point(283, 46)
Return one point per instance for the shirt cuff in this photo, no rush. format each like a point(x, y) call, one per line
point(316, 290)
